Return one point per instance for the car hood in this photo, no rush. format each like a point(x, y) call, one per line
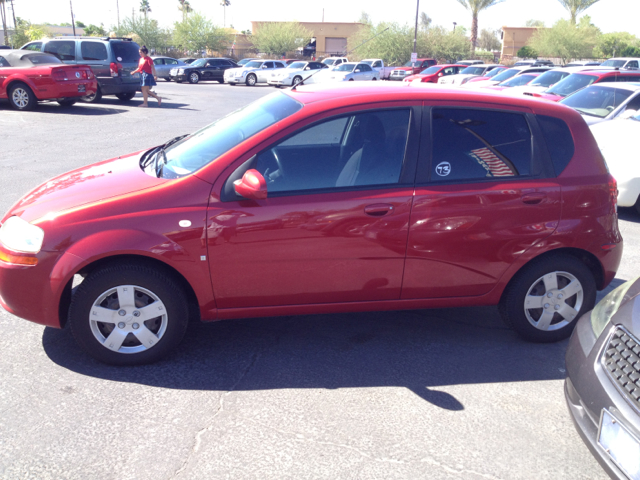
point(86, 185)
point(406, 69)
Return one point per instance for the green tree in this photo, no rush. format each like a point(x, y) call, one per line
point(488, 40)
point(280, 37)
point(95, 31)
point(475, 7)
point(566, 40)
point(394, 46)
point(443, 44)
point(365, 18)
point(80, 24)
point(576, 7)
point(527, 52)
point(145, 8)
point(425, 21)
point(27, 32)
point(630, 51)
point(148, 31)
point(613, 44)
point(534, 23)
point(197, 33)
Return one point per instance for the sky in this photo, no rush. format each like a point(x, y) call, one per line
point(608, 15)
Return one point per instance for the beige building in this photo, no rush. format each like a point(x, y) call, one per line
point(514, 38)
point(331, 38)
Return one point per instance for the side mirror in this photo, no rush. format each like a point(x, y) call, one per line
point(264, 66)
point(357, 70)
point(440, 74)
point(252, 185)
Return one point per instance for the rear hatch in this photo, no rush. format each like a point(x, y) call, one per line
point(126, 54)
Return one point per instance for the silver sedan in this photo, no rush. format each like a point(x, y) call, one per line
point(165, 64)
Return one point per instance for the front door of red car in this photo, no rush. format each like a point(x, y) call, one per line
point(482, 199)
point(335, 223)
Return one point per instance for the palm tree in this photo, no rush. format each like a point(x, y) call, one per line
point(3, 14)
point(185, 8)
point(576, 6)
point(225, 4)
point(145, 8)
point(476, 6)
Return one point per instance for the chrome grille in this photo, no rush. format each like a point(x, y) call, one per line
point(621, 360)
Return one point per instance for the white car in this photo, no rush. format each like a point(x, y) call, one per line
point(332, 62)
point(547, 80)
point(617, 140)
point(622, 62)
point(505, 75)
point(605, 101)
point(467, 74)
point(255, 71)
point(295, 73)
point(347, 72)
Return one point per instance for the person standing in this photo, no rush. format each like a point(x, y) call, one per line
point(148, 76)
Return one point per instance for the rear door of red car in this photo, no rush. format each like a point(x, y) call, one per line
point(484, 195)
point(335, 223)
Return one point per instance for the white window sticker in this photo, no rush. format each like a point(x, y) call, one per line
point(443, 169)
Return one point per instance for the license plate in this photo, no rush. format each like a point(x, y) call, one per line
point(82, 88)
point(620, 444)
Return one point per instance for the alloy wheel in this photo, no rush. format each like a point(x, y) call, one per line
point(20, 97)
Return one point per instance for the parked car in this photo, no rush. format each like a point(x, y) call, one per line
point(622, 62)
point(332, 62)
point(470, 62)
point(256, 71)
point(29, 77)
point(203, 69)
point(244, 61)
point(585, 63)
point(467, 74)
point(517, 81)
point(547, 79)
point(478, 217)
point(534, 63)
point(434, 73)
point(411, 68)
point(503, 76)
point(602, 388)
point(605, 101)
point(378, 65)
point(188, 60)
point(289, 61)
point(111, 59)
point(346, 72)
point(486, 76)
point(294, 74)
point(165, 64)
point(617, 140)
point(576, 81)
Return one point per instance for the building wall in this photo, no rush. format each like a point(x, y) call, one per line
point(53, 31)
point(514, 38)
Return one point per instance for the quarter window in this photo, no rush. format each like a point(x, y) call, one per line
point(36, 47)
point(93, 51)
point(479, 144)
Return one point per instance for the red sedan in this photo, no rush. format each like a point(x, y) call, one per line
point(432, 74)
point(579, 80)
point(28, 77)
point(322, 199)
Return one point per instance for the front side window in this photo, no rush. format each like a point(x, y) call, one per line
point(479, 144)
point(93, 51)
point(64, 50)
point(377, 64)
point(361, 149)
point(36, 46)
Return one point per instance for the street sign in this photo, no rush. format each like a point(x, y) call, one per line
point(414, 57)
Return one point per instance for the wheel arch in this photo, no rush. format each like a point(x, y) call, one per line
point(11, 81)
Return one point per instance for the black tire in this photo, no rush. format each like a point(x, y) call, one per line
point(21, 97)
point(194, 77)
point(126, 96)
point(147, 282)
point(296, 80)
point(529, 321)
point(637, 205)
point(67, 102)
point(251, 80)
point(220, 81)
point(374, 79)
point(351, 80)
point(95, 98)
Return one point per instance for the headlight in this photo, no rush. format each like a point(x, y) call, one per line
point(180, 71)
point(608, 306)
point(20, 236)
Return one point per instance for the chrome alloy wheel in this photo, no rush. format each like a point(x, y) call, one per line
point(128, 319)
point(194, 77)
point(20, 97)
point(553, 301)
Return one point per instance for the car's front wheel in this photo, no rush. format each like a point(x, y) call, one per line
point(544, 300)
point(21, 97)
point(194, 77)
point(251, 80)
point(128, 314)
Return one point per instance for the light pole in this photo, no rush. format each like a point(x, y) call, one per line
point(454, 26)
point(415, 35)
point(73, 22)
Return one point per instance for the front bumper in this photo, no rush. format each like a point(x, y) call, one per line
point(178, 78)
point(280, 82)
point(235, 80)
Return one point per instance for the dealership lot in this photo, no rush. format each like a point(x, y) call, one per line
point(438, 394)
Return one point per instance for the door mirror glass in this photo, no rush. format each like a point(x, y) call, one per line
point(252, 185)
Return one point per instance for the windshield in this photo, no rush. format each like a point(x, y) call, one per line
point(368, 62)
point(329, 61)
point(199, 62)
point(297, 65)
point(505, 75)
point(518, 81)
point(207, 144)
point(492, 73)
point(473, 71)
point(596, 100)
point(430, 70)
point(573, 82)
point(244, 61)
point(613, 63)
point(549, 78)
point(409, 64)
point(253, 64)
point(345, 67)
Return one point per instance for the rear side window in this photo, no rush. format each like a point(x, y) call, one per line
point(559, 141)
point(473, 144)
point(36, 47)
point(64, 50)
point(93, 51)
point(126, 52)
point(170, 61)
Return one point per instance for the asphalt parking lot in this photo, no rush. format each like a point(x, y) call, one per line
point(438, 394)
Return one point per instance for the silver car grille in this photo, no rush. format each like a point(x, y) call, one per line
point(621, 360)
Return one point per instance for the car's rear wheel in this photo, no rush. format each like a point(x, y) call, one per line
point(125, 97)
point(94, 97)
point(194, 77)
point(128, 314)
point(21, 97)
point(544, 300)
point(251, 80)
point(67, 102)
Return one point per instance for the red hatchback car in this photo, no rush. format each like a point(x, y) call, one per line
point(316, 200)
point(27, 77)
point(433, 74)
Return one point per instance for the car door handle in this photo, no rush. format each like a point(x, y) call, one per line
point(533, 198)
point(378, 209)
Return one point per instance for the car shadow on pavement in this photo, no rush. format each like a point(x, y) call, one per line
point(78, 109)
point(629, 214)
point(421, 350)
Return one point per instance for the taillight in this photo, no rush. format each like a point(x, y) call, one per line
point(613, 192)
point(115, 68)
point(58, 75)
point(89, 75)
